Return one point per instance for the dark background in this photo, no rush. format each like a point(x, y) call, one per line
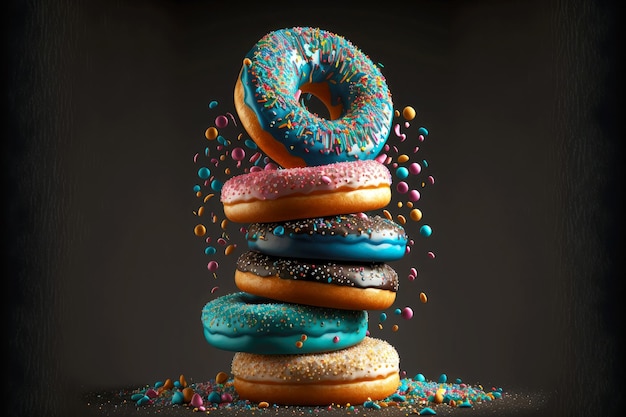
point(107, 104)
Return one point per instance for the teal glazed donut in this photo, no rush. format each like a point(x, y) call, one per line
point(348, 237)
point(287, 64)
point(243, 322)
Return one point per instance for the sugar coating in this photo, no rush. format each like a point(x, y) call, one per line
point(272, 184)
point(370, 359)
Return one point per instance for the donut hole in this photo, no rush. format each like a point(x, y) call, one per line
point(316, 99)
point(314, 105)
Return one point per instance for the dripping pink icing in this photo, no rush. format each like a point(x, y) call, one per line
point(277, 183)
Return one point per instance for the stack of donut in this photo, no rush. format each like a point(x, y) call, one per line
point(316, 261)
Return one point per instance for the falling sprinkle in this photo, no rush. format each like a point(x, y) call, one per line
point(416, 215)
point(211, 133)
point(426, 230)
point(204, 173)
point(408, 113)
point(230, 152)
point(230, 249)
point(221, 121)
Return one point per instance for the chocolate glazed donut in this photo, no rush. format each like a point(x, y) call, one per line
point(322, 283)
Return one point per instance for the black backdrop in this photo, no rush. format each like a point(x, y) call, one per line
point(107, 103)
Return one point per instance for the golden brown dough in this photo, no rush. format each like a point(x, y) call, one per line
point(315, 293)
point(273, 195)
point(312, 205)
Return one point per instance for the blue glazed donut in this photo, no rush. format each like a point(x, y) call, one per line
point(347, 237)
point(286, 63)
point(243, 322)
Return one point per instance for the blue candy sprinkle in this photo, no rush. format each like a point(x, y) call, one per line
point(178, 398)
point(196, 188)
point(402, 172)
point(442, 378)
point(204, 173)
point(215, 397)
point(250, 144)
point(279, 231)
point(404, 386)
point(210, 250)
point(420, 378)
point(143, 400)
point(213, 104)
point(371, 404)
point(216, 185)
point(427, 411)
point(136, 397)
point(426, 231)
point(423, 131)
point(465, 404)
point(398, 397)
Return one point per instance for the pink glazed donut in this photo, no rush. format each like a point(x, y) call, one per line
point(276, 195)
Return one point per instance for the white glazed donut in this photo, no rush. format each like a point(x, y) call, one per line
point(366, 371)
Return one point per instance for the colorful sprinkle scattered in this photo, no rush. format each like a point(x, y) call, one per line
point(415, 395)
point(423, 298)
point(212, 266)
point(229, 151)
point(407, 313)
point(426, 230)
point(408, 113)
